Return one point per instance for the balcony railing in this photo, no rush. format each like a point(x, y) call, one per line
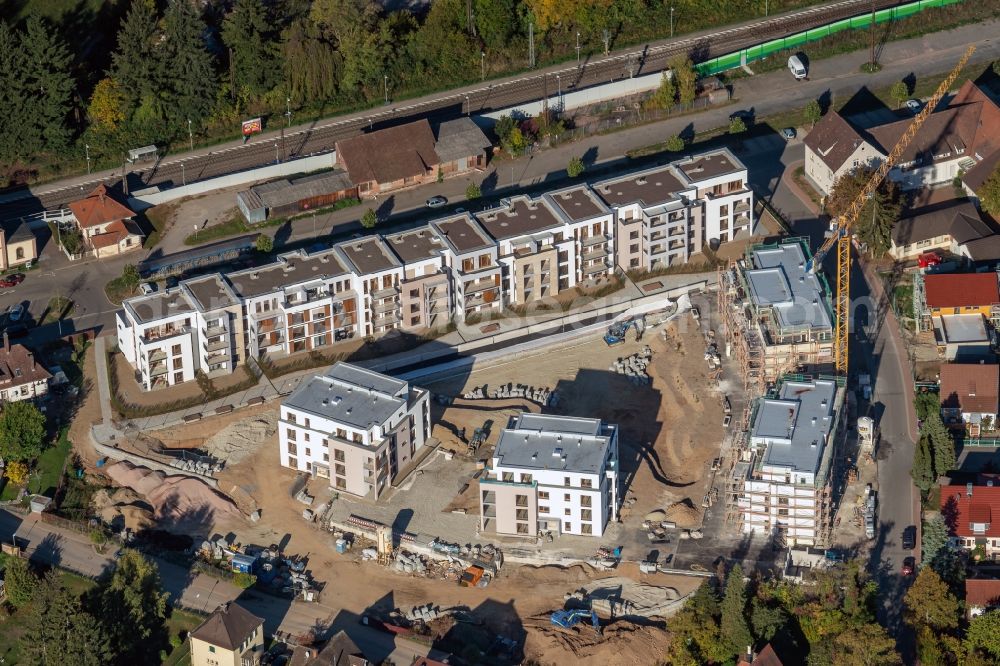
point(473, 287)
point(158, 355)
point(161, 333)
point(595, 268)
point(387, 292)
point(594, 240)
point(741, 207)
point(386, 306)
point(217, 345)
point(158, 370)
point(213, 331)
point(386, 318)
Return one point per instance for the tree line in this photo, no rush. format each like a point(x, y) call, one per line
point(180, 69)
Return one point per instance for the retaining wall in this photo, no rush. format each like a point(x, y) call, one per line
point(136, 459)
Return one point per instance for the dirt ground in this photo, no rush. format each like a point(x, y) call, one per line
point(89, 412)
point(669, 430)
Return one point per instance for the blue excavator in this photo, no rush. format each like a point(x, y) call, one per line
point(570, 618)
point(617, 331)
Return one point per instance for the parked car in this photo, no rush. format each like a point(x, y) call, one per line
point(908, 565)
point(11, 280)
point(910, 537)
point(16, 312)
point(788, 133)
point(928, 259)
point(726, 420)
point(436, 201)
point(914, 105)
point(147, 288)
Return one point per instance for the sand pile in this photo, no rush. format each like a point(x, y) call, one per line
point(172, 497)
point(122, 508)
point(621, 643)
point(683, 513)
point(241, 438)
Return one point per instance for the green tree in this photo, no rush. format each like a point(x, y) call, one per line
point(867, 644)
point(734, 628)
point(922, 470)
point(941, 441)
point(504, 126)
point(352, 27)
point(311, 63)
point(878, 214)
point(766, 619)
point(813, 112)
point(48, 87)
point(695, 628)
point(934, 537)
point(675, 144)
point(135, 62)
point(984, 633)
point(263, 243)
point(575, 167)
point(989, 193)
point(20, 581)
point(929, 603)
point(58, 632)
point(686, 79)
point(666, 95)
point(130, 275)
point(736, 125)
point(247, 32)
point(187, 72)
point(473, 191)
point(926, 402)
point(899, 92)
point(496, 21)
point(12, 95)
point(369, 219)
point(22, 431)
point(132, 607)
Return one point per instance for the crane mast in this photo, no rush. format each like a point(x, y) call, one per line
point(845, 221)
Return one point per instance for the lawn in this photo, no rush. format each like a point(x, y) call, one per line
point(236, 225)
point(49, 468)
point(59, 308)
point(119, 289)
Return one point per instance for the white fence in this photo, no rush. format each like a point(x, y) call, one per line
point(142, 199)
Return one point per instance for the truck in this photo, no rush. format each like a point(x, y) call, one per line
point(471, 576)
point(797, 68)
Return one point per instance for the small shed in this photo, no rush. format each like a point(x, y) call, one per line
point(243, 563)
point(39, 503)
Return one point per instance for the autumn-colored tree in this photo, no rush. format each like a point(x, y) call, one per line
point(108, 106)
point(665, 96)
point(929, 603)
point(686, 79)
point(899, 92)
point(17, 472)
point(989, 193)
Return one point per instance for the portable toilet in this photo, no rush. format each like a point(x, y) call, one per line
point(244, 563)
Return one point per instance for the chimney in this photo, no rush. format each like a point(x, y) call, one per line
point(968, 490)
point(6, 342)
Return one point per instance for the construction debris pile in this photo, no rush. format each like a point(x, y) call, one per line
point(200, 467)
point(273, 570)
point(634, 366)
point(544, 397)
point(172, 497)
point(624, 598)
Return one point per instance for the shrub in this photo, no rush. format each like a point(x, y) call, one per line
point(264, 243)
point(675, 144)
point(369, 219)
point(244, 580)
point(473, 191)
point(575, 167)
point(17, 472)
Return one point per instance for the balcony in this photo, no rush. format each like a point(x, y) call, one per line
point(216, 359)
point(387, 292)
point(269, 341)
point(677, 245)
point(164, 332)
point(476, 286)
point(659, 235)
point(657, 221)
point(158, 370)
point(222, 343)
point(741, 207)
point(741, 221)
point(386, 319)
point(595, 268)
point(215, 330)
point(157, 355)
point(386, 306)
point(594, 240)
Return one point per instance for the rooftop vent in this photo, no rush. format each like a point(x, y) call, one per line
point(255, 275)
point(968, 490)
point(557, 452)
point(337, 400)
point(814, 443)
point(640, 181)
point(534, 456)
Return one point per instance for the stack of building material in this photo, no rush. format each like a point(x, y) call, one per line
point(634, 366)
point(542, 396)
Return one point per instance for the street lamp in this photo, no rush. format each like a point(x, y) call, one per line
point(671, 22)
point(559, 85)
point(190, 135)
point(183, 175)
point(468, 105)
point(288, 110)
point(87, 148)
point(385, 82)
point(577, 47)
point(482, 64)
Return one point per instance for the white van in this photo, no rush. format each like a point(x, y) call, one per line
point(796, 67)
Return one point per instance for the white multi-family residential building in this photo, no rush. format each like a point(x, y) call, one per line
point(793, 439)
point(551, 474)
point(667, 214)
point(455, 268)
point(355, 427)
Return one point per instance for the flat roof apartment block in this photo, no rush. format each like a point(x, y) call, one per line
point(355, 427)
point(551, 474)
point(794, 435)
point(777, 313)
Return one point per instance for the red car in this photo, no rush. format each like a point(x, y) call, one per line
point(11, 280)
point(928, 259)
point(908, 564)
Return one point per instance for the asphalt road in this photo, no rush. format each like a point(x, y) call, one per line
point(320, 136)
point(48, 545)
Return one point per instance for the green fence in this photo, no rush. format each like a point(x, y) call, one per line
point(989, 443)
point(753, 53)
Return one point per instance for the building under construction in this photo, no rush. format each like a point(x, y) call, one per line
point(781, 479)
point(776, 312)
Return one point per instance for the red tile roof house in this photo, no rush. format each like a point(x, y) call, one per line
point(106, 224)
point(21, 376)
point(961, 293)
point(965, 135)
point(972, 514)
point(981, 595)
point(970, 393)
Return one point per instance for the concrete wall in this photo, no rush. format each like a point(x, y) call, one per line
point(153, 196)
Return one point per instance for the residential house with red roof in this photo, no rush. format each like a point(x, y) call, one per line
point(960, 138)
point(972, 514)
point(22, 377)
point(970, 393)
point(961, 293)
point(981, 595)
point(107, 225)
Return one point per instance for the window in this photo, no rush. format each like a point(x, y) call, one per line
point(526, 478)
point(414, 293)
point(634, 235)
point(586, 483)
point(308, 452)
point(175, 350)
point(567, 511)
point(522, 528)
point(522, 514)
point(340, 483)
point(305, 436)
point(338, 455)
point(566, 481)
point(567, 526)
point(293, 463)
point(585, 500)
point(585, 515)
point(586, 528)
point(543, 494)
point(211, 648)
point(292, 435)
point(340, 469)
point(633, 248)
point(293, 450)
point(326, 457)
point(20, 253)
point(542, 508)
point(520, 500)
point(566, 497)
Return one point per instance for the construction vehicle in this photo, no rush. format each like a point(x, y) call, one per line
point(471, 576)
point(845, 222)
point(618, 330)
point(570, 618)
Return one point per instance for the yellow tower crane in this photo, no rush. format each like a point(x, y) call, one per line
point(846, 220)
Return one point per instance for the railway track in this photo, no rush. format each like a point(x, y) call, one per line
point(490, 96)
